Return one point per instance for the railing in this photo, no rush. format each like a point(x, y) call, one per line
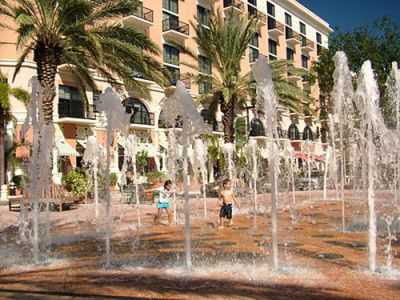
point(139, 75)
point(144, 13)
point(274, 24)
point(142, 118)
point(75, 109)
point(306, 42)
point(261, 17)
point(234, 3)
point(291, 34)
point(176, 25)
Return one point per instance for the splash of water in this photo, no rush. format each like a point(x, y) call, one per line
point(342, 93)
point(199, 163)
point(181, 104)
point(92, 158)
point(262, 74)
point(117, 119)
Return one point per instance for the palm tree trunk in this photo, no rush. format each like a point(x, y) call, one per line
point(228, 110)
point(2, 149)
point(47, 60)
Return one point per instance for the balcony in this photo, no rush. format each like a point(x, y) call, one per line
point(275, 28)
point(74, 112)
point(173, 29)
point(307, 45)
point(233, 6)
point(142, 18)
point(292, 37)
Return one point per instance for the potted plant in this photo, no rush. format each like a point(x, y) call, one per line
point(76, 183)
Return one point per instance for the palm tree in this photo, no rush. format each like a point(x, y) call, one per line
point(224, 43)
point(85, 35)
point(5, 92)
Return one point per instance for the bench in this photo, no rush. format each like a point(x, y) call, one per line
point(14, 202)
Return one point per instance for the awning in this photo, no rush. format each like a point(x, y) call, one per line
point(83, 143)
point(305, 156)
point(65, 149)
point(149, 148)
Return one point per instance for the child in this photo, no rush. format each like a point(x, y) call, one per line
point(227, 197)
point(163, 202)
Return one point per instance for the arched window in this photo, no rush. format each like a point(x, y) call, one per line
point(307, 133)
point(256, 128)
point(293, 132)
point(140, 114)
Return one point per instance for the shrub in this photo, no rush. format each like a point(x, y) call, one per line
point(113, 179)
point(76, 182)
point(154, 176)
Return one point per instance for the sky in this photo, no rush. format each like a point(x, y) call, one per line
point(348, 14)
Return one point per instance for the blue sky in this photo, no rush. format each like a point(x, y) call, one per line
point(348, 14)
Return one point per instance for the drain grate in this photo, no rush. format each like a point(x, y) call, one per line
point(331, 256)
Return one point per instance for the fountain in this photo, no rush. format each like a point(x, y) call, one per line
point(92, 159)
point(181, 104)
point(130, 152)
point(117, 119)
point(200, 163)
point(265, 91)
point(343, 106)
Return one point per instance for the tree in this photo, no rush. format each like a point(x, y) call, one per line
point(224, 42)
point(378, 42)
point(85, 35)
point(5, 93)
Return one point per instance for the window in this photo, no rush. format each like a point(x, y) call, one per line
point(175, 74)
point(253, 56)
point(319, 39)
point(272, 47)
point(254, 40)
point(271, 9)
point(205, 87)
point(319, 49)
point(307, 133)
point(288, 19)
point(253, 2)
point(293, 132)
point(70, 103)
point(171, 5)
point(302, 28)
point(289, 54)
point(304, 61)
point(140, 114)
point(171, 55)
point(204, 65)
point(252, 10)
point(202, 15)
point(96, 101)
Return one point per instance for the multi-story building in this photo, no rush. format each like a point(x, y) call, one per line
point(287, 30)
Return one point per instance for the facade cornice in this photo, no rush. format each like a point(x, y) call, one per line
point(307, 15)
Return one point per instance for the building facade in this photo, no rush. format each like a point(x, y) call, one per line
point(287, 30)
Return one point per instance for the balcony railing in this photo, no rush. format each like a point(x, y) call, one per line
point(292, 35)
point(261, 16)
point(144, 13)
point(306, 43)
point(273, 24)
point(234, 3)
point(176, 25)
point(142, 118)
point(75, 109)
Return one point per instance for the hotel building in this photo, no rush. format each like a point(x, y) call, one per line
point(287, 30)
